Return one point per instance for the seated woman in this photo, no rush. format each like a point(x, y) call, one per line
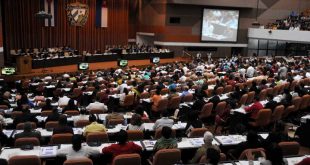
point(71, 106)
point(62, 127)
point(213, 156)
point(207, 138)
point(166, 141)
point(77, 150)
point(136, 123)
point(122, 146)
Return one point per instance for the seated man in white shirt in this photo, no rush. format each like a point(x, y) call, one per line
point(63, 100)
point(97, 105)
point(163, 121)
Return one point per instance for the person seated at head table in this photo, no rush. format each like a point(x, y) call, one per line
point(163, 121)
point(71, 106)
point(122, 146)
point(136, 123)
point(97, 105)
point(77, 150)
point(93, 126)
point(28, 132)
point(62, 127)
point(166, 141)
point(207, 138)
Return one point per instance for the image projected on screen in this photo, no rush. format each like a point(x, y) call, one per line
point(220, 25)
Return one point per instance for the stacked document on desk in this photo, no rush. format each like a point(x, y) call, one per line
point(196, 141)
point(50, 151)
point(8, 133)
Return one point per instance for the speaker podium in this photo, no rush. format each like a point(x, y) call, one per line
point(24, 64)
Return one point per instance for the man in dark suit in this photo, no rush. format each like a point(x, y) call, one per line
point(54, 116)
point(63, 127)
point(271, 104)
point(25, 117)
point(28, 132)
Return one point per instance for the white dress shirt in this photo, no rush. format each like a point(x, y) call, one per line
point(97, 105)
point(164, 121)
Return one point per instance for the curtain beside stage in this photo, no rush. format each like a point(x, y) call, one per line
point(24, 30)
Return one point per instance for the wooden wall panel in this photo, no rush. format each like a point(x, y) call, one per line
point(23, 30)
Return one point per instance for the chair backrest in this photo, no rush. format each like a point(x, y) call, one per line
point(79, 161)
point(127, 159)
point(174, 102)
point(206, 110)
point(276, 90)
point(21, 160)
point(4, 107)
point(20, 126)
point(263, 117)
point(72, 113)
point(296, 101)
point(164, 91)
point(46, 113)
point(197, 132)
point(51, 124)
point(82, 123)
point(263, 95)
point(15, 114)
point(243, 99)
point(129, 100)
point(228, 88)
point(115, 121)
point(250, 98)
point(97, 137)
point(65, 138)
point(277, 113)
point(167, 157)
point(219, 90)
point(288, 110)
point(158, 133)
point(269, 91)
point(289, 148)
point(163, 105)
point(96, 111)
point(304, 102)
point(220, 107)
point(144, 95)
point(135, 135)
point(27, 141)
point(188, 98)
point(248, 154)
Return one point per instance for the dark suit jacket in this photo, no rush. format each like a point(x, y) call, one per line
point(63, 129)
point(26, 117)
point(28, 134)
point(271, 105)
point(53, 117)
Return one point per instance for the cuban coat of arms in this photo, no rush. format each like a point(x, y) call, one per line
point(77, 14)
